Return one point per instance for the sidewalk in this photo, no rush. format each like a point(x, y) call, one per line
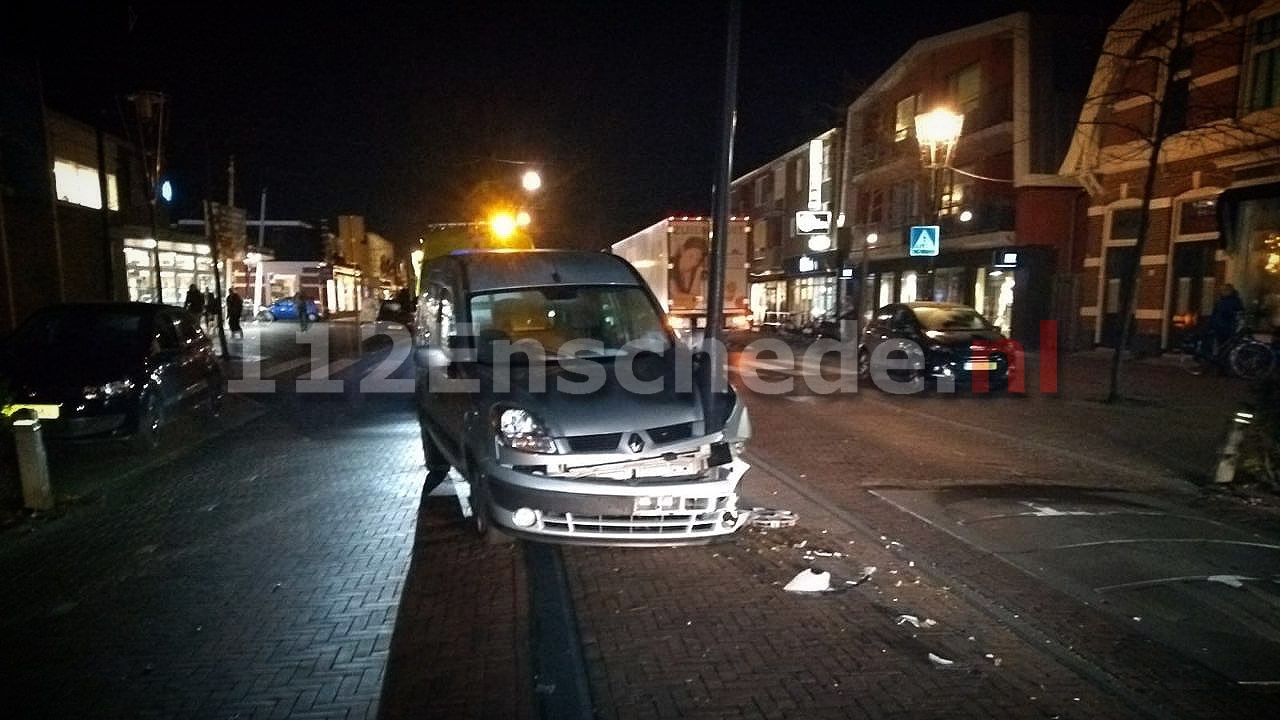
point(80, 472)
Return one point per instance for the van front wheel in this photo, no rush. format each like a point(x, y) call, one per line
point(482, 513)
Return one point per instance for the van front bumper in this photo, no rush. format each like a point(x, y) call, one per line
point(695, 503)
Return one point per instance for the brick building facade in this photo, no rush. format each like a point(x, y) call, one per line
point(1214, 210)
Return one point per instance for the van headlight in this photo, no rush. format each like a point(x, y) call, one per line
point(521, 430)
point(115, 388)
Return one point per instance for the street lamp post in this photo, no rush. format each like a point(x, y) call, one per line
point(937, 133)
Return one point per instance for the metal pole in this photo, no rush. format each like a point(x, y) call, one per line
point(155, 249)
point(717, 378)
point(104, 218)
point(8, 267)
point(217, 281)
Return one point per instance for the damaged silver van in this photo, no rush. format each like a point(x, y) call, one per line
point(551, 382)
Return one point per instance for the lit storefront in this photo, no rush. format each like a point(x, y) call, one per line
point(336, 288)
point(1251, 229)
point(1010, 286)
point(182, 264)
point(811, 285)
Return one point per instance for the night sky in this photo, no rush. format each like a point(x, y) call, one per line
point(400, 111)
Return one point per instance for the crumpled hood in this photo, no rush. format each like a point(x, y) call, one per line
point(567, 411)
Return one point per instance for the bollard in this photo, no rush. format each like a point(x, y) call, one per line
point(33, 465)
point(1226, 470)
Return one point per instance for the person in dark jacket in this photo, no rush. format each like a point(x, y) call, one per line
point(300, 303)
point(212, 310)
point(235, 306)
point(1226, 315)
point(194, 303)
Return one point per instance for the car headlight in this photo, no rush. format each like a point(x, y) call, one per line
point(115, 388)
point(521, 430)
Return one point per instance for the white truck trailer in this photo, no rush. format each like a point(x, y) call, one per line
point(674, 257)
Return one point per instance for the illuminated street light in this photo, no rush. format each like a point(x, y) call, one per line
point(531, 181)
point(937, 132)
point(502, 225)
point(523, 219)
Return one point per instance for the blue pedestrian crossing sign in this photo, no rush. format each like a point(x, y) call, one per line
point(924, 240)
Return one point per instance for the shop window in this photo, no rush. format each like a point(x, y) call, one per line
point(948, 285)
point(965, 88)
point(907, 293)
point(868, 297)
point(886, 288)
point(78, 185)
point(997, 303)
point(1263, 84)
point(904, 123)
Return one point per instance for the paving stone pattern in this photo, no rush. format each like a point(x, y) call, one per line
point(257, 578)
point(461, 643)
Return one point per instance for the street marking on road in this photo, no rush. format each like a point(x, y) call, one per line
point(286, 366)
point(334, 368)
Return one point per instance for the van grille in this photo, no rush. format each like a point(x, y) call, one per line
point(604, 442)
point(671, 433)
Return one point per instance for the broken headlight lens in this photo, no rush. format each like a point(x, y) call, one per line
point(521, 430)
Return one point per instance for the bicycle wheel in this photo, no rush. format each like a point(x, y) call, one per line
point(1251, 360)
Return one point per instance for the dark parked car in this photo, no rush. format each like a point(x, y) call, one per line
point(395, 311)
point(285, 309)
point(945, 342)
point(110, 369)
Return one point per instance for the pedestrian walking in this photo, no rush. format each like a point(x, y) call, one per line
point(235, 306)
point(194, 303)
point(212, 310)
point(1226, 315)
point(300, 304)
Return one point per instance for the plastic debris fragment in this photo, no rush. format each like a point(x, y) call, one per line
point(912, 619)
point(811, 580)
point(940, 661)
point(772, 518)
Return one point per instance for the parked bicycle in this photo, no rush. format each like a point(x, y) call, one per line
point(1242, 355)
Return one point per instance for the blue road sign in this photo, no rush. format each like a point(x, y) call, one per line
point(924, 240)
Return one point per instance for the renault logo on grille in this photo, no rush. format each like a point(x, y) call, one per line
point(635, 443)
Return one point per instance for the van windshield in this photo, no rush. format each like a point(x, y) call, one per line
point(568, 321)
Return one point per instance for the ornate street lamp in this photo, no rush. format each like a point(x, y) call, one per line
point(937, 133)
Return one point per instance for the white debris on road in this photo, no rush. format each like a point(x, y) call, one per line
point(940, 662)
point(811, 580)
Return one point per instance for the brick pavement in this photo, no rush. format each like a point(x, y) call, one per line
point(266, 582)
point(461, 642)
point(836, 456)
point(257, 577)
